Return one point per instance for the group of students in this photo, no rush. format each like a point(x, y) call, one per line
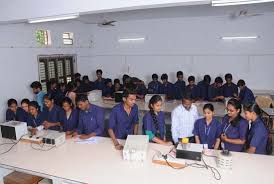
point(84, 120)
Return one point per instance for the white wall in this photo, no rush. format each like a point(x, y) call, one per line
point(188, 44)
point(19, 65)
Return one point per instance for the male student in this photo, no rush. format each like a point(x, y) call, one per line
point(230, 89)
point(99, 83)
point(55, 92)
point(91, 119)
point(167, 88)
point(15, 113)
point(204, 85)
point(192, 89)
point(246, 96)
point(183, 118)
point(215, 90)
point(123, 120)
point(87, 85)
point(155, 85)
point(39, 94)
point(108, 89)
point(77, 76)
point(179, 85)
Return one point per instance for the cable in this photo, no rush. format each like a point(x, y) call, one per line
point(41, 147)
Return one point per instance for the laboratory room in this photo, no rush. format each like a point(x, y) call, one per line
point(139, 92)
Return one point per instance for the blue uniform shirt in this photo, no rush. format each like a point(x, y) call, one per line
point(36, 121)
point(203, 90)
point(193, 91)
point(168, 90)
point(208, 134)
point(154, 87)
point(108, 91)
point(99, 85)
point(258, 136)
point(40, 100)
point(180, 87)
point(91, 121)
point(20, 115)
point(237, 132)
point(230, 90)
point(214, 92)
point(121, 123)
point(69, 123)
point(246, 96)
point(53, 116)
point(159, 129)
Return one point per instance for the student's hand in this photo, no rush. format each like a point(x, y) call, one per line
point(169, 143)
point(83, 136)
point(224, 137)
point(119, 147)
point(33, 131)
point(46, 124)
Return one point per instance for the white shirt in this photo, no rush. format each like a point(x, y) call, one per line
point(182, 122)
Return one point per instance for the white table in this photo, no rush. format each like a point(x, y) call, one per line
point(101, 163)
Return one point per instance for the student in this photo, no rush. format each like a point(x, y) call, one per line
point(140, 88)
point(230, 89)
point(108, 89)
point(154, 122)
point(63, 89)
point(207, 130)
point(87, 84)
point(35, 119)
point(100, 81)
point(183, 118)
point(77, 76)
point(215, 91)
point(71, 88)
point(234, 127)
point(123, 120)
point(204, 85)
point(52, 113)
point(15, 113)
point(69, 117)
point(55, 92)
point(126, 80)
point(117, 85)
point(91, 119)
point(258, 133)
point(39, 94)
point(25, 104)
point(167, 88)
point(179, 85)
point(154, 86)
point(246, 96)
point(192, 89)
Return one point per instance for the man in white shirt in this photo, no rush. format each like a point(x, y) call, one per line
point(183, 118)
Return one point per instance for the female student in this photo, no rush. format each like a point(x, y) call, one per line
point(234, 127)
point(71, 88)
point(15, 113)
point(69, 116)
point(258, 133)
point(207, 130)
point(25, 105)
point(52, 114)
point(154, 122)
point(36, 118)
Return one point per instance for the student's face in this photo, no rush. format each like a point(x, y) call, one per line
point(117, 86)
point(191, 83)
point(83, 105)
point(164, 81)
point(241, 88)
point(33, 111)
point(25, 106)
point(219, 85)
point(208, 113)
point(187, 104)
point(180, 77)
point(66, 106)
point(86, 81)
point(157, 106)
point(130, 100)
point(99, 75)
point(48, 103)
point(78, 84)
point(155, 79)
point(232, 111)
point(249, 115)
point(109, 84)
point(54, 86)
point(229, 80)
point(63, 88)
point(13, 107)
point(35, 90)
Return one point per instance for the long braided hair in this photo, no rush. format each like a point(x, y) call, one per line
point(154, 99)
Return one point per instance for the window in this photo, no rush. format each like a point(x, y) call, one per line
point(43, 37)
point(68, 38)
point(55, 67)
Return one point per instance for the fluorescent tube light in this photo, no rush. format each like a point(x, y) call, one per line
point(131, 39)
point(237, 2)
point(238, 37)
point(53, 18)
